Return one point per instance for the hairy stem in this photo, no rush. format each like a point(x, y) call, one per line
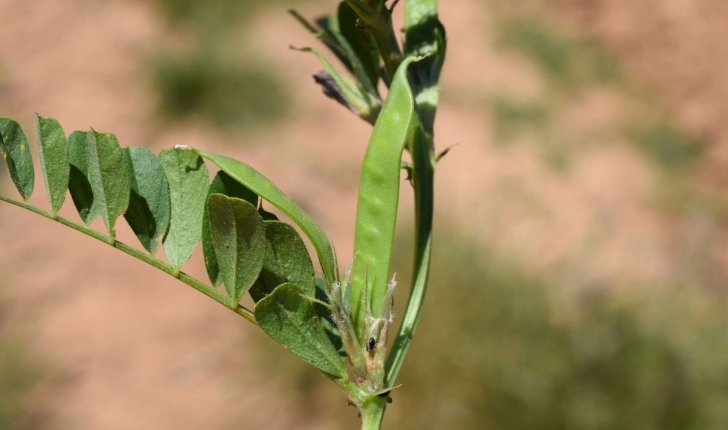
point(166, 268)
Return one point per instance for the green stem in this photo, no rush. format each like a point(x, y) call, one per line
point(166, 268)
point(372, 413)
point(423, 182)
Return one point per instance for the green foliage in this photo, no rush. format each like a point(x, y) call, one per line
point(344, 91)
point(237, 232)
point(359, 46)
point(227, 186)
point(354, 46)
point(286, 261)
point(16, 153)
point(170, 196)
point(188, 183)
point(514, 350)
point(289, 319)
point(109, 176)
point(52, 145)
point(79, 185)
point(267, 190)
point(149, 204)
point(327, 319)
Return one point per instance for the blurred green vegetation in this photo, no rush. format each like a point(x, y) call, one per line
point(210, 68)
point(671, 148)
point(21, 375)
point(223, 92)
point(501, 348)
point(3, 77)
point(570, 66)
point(568, 61)
point(3, 88)
point(512, 117)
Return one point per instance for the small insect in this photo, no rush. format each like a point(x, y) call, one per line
point(371, 344)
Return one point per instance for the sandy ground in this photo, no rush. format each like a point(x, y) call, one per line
point(133, 348)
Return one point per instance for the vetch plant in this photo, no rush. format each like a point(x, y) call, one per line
point(338, 323)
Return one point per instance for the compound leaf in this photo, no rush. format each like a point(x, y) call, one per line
point(290, 319)
point(238, 234)
point(79, 184)
point(14, 146)
point(108, 173)
point(149, 208)
point(263, 187)
point(286, 261)
point(225, 185)
point(188, 183)
point(54, 160)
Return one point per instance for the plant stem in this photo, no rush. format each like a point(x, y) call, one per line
point(166, 268)
point(423, 169)
point(423, 182)
point(372, 413)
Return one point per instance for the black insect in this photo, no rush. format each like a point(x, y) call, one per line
point(371, 344)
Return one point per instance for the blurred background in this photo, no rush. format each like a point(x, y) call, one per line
point(580, 266)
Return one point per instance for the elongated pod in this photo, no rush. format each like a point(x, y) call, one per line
point(376, 213)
